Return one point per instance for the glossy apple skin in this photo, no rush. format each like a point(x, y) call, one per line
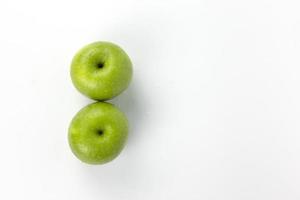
point(98, 133)
point(101, 70)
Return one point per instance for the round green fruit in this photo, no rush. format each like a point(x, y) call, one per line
point(101, 70)
point(98, 133)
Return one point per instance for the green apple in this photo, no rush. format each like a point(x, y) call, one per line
point(101, 70)
point(98, 133)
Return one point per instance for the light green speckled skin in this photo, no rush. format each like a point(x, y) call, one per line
point(84, 138)
point(101, 83)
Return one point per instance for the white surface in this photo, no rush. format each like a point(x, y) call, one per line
point(213, 106)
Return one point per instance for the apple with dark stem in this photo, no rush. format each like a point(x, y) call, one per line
point(101, 70)
point(98, 133)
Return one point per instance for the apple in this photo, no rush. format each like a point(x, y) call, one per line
point(98, 133)
point(101, 70)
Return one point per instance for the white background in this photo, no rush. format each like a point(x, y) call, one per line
point(213, 105)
